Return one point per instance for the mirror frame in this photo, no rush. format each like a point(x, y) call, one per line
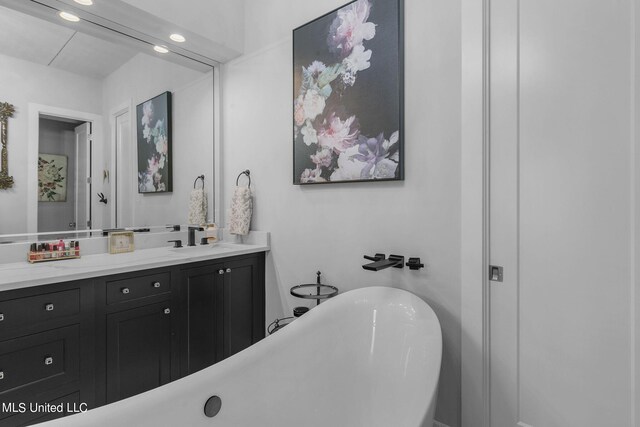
point(6, 111)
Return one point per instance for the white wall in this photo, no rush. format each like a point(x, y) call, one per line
point(21, 83)
point(330, 228)
point(142, 78)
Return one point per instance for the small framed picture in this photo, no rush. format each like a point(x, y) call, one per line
point(121, 242)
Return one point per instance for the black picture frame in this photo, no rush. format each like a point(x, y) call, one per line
point(346, 133)
point(154, 143)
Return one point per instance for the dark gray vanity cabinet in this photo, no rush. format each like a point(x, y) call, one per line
point(46, 350)
point(222, 310)
point(87, 343)
point(137, 333)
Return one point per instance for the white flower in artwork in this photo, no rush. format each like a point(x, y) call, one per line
point(348, 169)
point(392, 140)
point(146, 132)
point(311, 175)
point(359, 59)
point(313, 104)
point(322, 158)
point(314, 70)
point(350, 28)
point(145, 182)
point(309, 133)
point(385, 169)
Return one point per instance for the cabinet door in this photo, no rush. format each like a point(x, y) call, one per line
point(202, 306)
point(243, 304)
point(139, 350)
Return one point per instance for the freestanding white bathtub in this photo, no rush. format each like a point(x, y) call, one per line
point(369, 357)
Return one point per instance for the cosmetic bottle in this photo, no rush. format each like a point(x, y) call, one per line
point(47, 251)
point(77, 248)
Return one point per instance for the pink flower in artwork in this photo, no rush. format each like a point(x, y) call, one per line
point(154, 165)
point(299, 111)
point(338, 135)
point(350, 28)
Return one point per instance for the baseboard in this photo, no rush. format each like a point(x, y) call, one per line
point(439, 424)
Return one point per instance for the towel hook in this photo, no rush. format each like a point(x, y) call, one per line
point(247, 173)
point(196, 181)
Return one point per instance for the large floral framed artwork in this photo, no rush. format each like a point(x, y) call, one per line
point(154, 145)
point(348, 95)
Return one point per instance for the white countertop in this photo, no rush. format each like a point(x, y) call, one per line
point(22, 274)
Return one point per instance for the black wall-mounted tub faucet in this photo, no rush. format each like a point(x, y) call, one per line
point(380, 263)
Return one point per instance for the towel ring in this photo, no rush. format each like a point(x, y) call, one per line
point(196, 181)
point(247, 173)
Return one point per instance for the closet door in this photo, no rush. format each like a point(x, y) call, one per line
point(561, 213)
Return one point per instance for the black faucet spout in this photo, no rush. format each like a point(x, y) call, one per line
point(192, 235)
point(396, 261)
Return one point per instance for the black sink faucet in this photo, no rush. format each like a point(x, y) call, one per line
point(192, 235)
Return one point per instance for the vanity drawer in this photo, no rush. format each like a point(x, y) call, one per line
point(138, 287)
point(30, 311)
point(39, 361)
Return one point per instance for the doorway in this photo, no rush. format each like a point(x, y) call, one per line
point(64, 174)
point(90, 215)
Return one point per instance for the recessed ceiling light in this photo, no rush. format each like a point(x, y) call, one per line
point(177, 38)
point(84, 2)
point(161, 49)
point(69, 16)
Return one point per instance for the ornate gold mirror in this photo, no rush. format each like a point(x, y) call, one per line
point(6, 111)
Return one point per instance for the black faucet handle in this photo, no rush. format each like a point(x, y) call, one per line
point(414, 264)
point(176, 243)
point(376, 257)
point(196, 228)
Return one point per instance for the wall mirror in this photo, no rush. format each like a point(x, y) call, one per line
point(73, 136)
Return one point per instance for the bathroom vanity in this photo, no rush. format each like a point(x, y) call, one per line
point(86, 336)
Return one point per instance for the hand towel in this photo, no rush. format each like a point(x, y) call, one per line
point(198, 207)
point(241, 210)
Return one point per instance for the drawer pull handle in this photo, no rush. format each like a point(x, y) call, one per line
point(221, 271)
point(49, 307)
point(48, 360)
point(1, 317)
point(156, 284)
point(167, 311)
point(1, 375)
point(228, 270)
point(125, 290)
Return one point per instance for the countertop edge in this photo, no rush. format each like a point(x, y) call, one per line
point(90, 272)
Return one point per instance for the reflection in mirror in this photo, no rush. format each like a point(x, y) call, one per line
point(73, 141)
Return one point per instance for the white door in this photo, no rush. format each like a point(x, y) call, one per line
point(83, 176)
point(126, 178)
point(561, 213)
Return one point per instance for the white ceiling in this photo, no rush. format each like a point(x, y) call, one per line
point(36, 40)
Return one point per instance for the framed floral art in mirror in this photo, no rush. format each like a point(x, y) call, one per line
point(348, 99)
point(154, 145)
